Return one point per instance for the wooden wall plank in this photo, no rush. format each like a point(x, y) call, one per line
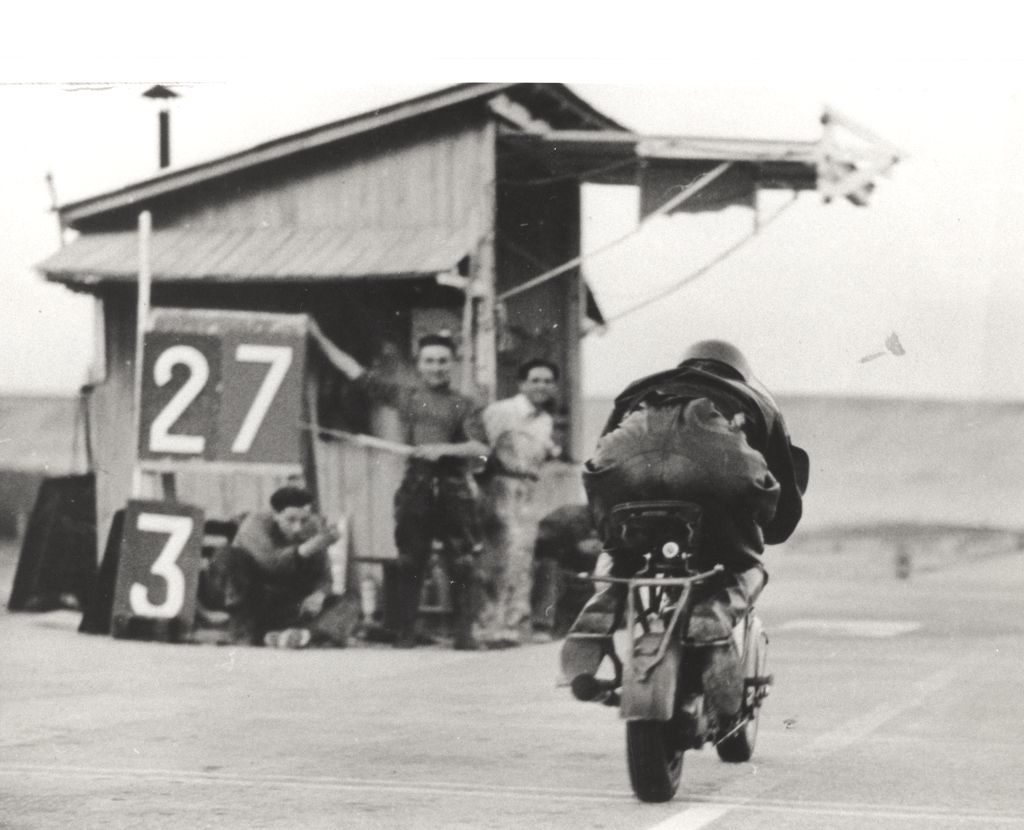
point(360, 483)
point(400, 180)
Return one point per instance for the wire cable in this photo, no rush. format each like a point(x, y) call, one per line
point(706, 267)
point(690, 190)
point(582, 175)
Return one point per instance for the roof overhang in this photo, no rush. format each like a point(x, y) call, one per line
point(834, 165)
point(193, 255)
point(611, 157)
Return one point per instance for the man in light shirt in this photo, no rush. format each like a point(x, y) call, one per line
point(527, 412)
point(520, 431)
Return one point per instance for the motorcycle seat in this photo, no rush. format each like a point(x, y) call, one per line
point(679, 520)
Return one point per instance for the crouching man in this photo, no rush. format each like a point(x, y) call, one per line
point(274, 579)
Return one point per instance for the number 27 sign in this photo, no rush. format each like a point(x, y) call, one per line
point(221, 387)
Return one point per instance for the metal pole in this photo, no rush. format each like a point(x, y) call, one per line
point(165, 139)
point(141, 317)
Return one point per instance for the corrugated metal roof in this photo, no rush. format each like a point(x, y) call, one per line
point(259, 254)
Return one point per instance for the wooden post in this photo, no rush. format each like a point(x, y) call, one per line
point(467, 356)
point(572, 372)
point(575, 289)
point(484, 273)
point(486, 322)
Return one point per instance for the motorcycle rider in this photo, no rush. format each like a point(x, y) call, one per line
point(708, 432)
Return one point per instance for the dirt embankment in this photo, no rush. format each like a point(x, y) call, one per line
point(901, 462)
point(902, 548)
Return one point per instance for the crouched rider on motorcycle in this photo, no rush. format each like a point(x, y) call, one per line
point(706, 432)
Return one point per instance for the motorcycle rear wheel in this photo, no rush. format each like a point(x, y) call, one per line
point(655, 760)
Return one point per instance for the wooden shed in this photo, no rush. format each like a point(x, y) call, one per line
point(421, 215)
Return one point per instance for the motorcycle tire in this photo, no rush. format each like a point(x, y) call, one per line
point(738, 748)
point(655, 760)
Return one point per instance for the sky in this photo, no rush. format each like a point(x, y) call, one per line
point(936, 258)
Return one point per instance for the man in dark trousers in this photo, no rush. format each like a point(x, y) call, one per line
point(437, 498)
point(709, 432)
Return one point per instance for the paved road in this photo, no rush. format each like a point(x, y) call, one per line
point(897, 704)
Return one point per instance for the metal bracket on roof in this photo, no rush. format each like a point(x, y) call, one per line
point(848, 169)
point(451, 279)
point(516, 114)
point(832, 117)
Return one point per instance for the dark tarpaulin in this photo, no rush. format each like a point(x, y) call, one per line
point(661, 180)
point(58, 554)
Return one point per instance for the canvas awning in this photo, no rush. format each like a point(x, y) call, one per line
point(258, 255)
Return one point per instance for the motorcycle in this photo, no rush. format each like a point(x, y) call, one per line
point(660, 688)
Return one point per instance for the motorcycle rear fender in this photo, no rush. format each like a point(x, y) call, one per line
point(746, 635)
point(650, 693)
point(754, 641)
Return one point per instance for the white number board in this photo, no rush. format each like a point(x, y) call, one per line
point(221, 387)
point(158, 570)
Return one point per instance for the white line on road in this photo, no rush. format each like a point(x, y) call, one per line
point(853, 730)
point(702, 812)
point(693, 818)
point(311, 782)
point(848, 733)
point(701, 815)
point(869, 629)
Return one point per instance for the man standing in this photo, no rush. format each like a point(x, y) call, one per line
point(520, 431)
point(437, 498)
point(529, 411)
point(274, 578)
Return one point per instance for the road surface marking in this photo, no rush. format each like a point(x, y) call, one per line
point(839, 738)
point(313, 782)
point(701, 815)
point(853, 730)
point(702, 812)
point(693, 818)
point(870, 629)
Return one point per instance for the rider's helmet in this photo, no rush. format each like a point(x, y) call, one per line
point(721, 352)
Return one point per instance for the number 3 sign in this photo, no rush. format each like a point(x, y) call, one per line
point(221, 387)
point(158, 573)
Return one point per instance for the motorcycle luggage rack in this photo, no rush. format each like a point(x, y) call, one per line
point(635, 583)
